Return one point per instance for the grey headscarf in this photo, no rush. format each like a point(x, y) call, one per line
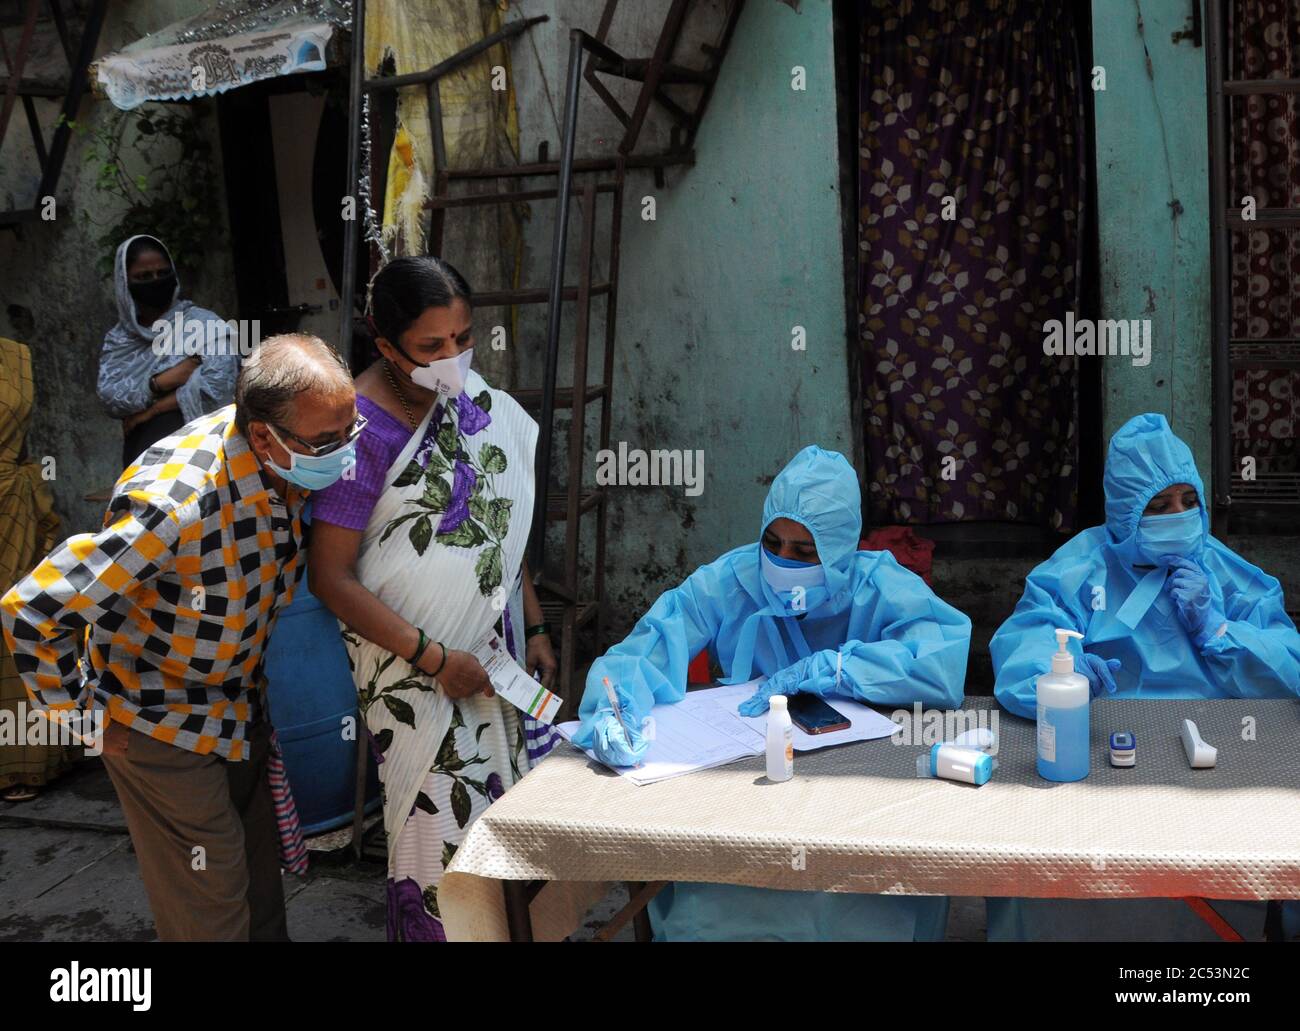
point(129, 359)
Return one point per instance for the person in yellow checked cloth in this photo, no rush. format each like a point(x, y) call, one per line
point(28, 529)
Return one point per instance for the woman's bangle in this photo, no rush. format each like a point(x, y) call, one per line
point(443, 662)
point(419, 648)
point(533, 631)
point(153, 389)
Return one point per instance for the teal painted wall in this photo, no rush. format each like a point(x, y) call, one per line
point(745, 245)
point(1152, 148)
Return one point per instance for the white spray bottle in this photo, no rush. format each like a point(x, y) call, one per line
point(1063, 727)
point(780, 740)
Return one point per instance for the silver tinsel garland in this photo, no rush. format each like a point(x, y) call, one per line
point(232, 17)
point(373, 223)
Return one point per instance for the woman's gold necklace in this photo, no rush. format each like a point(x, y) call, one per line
point(392, 380)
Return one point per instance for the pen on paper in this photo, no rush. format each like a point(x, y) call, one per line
point(618, 709)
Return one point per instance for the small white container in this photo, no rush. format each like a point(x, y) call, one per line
point(780, 740)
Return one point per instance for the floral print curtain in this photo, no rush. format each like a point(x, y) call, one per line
point(1264, 163)
point(970, 109)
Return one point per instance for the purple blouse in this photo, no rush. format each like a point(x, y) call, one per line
point(348, 503)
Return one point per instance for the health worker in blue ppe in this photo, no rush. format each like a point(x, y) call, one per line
point(1166, 611)
point(805, 610)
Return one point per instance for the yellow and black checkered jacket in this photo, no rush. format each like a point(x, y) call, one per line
point(173, 600)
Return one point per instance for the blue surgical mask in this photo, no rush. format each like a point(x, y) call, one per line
point(785, 575)
point(314, 472)
point(1178, 533)
point(788, 563)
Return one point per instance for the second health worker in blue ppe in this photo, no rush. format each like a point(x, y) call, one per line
point(804, 609)
point(1166, 611)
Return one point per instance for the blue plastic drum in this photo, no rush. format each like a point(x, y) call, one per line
point(311, 694)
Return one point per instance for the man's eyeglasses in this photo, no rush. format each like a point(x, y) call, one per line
point(322, 449)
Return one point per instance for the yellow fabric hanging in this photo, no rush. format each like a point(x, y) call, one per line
point(28, 530)
point(403, 229)
point(477, 120)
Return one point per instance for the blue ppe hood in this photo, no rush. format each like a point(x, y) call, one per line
point(1144, 458)
point(817, 489)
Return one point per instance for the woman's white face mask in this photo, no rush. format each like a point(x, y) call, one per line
point(446, 376)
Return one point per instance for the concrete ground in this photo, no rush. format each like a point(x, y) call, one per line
point(68, 873)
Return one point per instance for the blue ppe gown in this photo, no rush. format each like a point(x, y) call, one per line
point(1101, 584)
point(875, 633)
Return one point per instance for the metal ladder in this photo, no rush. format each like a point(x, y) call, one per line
point(566, 601)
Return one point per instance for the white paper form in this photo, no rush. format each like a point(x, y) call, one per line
point(704, 730)
point(693, 734)
point(511, 682)
point(726, 723)
point(865, 724)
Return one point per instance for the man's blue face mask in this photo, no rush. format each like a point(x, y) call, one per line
point(1177, 533)
point(314, 472)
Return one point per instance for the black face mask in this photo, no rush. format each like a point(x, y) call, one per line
point(155, 295)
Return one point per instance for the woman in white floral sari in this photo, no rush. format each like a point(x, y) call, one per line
point(420, 553)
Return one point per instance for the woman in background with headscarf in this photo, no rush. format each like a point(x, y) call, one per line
point(146, 378)
point(28, 529)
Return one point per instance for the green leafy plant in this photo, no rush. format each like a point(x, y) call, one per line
point(154, 167)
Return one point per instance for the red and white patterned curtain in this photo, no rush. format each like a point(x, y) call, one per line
point(978, 103)
point(1264, 163)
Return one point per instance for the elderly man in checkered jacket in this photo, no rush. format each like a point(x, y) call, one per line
point(161, 619)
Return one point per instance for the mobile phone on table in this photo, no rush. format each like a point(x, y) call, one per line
point(813, 716)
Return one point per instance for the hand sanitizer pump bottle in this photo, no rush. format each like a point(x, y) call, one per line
point(1063, 731)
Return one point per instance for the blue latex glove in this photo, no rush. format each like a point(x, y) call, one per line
point(1197, 610)
point(786, 681)
point(1100, 673)
point(609, 739)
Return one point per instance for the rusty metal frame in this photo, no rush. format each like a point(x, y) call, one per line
point(49, 161)
point(361, 86)
point(564, 602)
point(16, 64)
point(656, 72)
point(519, 896)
